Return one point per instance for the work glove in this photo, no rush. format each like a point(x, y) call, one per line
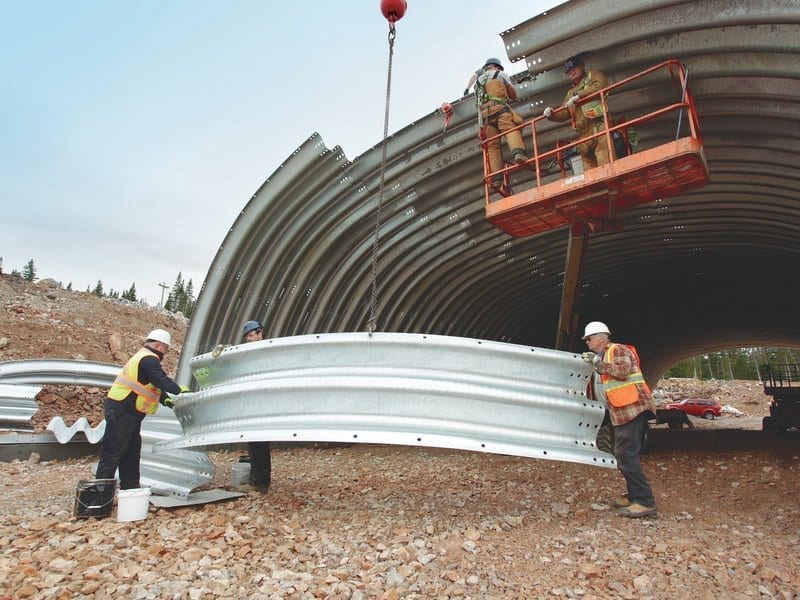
point(547, 112)
point(591, 358)
point(184, 389)
point(168, 402)
point(571, 102)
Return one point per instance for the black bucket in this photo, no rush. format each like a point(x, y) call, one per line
point(94, 498)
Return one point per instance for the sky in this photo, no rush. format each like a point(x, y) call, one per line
point(134, 132)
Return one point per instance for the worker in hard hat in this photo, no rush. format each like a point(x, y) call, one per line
point(494, 91)
point(587, 117)
point(136, 392)
point(618, 382)
point(259, 452)
point(473, 79)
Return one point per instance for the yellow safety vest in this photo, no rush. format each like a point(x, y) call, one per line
point(622, 393)
point(147, 396)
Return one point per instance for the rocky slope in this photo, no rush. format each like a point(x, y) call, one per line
point(43, 320)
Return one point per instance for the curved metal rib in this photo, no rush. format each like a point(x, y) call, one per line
point(393, 388)
point(58, 372)
point(175, 473)
point(17, 405)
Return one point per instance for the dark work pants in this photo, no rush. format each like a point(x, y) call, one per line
point(260, 464)
point(122, 443)
point(627, 446)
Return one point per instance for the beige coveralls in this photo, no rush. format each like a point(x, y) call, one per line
point(594, 152)
point(497, 116)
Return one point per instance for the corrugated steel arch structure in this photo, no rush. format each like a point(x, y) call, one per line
point(712, 269)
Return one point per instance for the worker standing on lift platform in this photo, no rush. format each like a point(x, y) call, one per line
point(587, 119)
point(494, 91)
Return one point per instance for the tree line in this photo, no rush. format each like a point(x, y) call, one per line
point(180, 299)
point(735, 363)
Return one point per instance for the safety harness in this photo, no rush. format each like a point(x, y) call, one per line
point(483, 98)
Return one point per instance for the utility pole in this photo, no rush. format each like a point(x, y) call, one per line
point(163, 286)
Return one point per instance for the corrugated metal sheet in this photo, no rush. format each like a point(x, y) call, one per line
point(175, 473)
point(17, 405)
point(714, 268)
point(391, 388)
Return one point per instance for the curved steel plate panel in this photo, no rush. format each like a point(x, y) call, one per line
point(17, 405)
point(175, 473)
point(393, 388)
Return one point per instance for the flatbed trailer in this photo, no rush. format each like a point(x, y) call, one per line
point(782, 382)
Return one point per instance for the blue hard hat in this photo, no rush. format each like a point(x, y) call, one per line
point(252, 326)
point(493, 61)
point(574, 61)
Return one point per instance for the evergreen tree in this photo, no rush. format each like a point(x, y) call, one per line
point(69, 286)
point(29, 271)
point(130, 294)
point(98, 289)
point(175, 295)
point(181, 297)
point(190, 302)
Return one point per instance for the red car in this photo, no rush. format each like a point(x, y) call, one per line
point(707, 408)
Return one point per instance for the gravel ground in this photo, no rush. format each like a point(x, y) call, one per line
point(362, 522)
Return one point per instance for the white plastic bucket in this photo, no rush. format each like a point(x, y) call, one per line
point(240, 473)
point(133, 504)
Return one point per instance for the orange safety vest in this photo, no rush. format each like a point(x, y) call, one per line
point(622, 393)
point(147, 396)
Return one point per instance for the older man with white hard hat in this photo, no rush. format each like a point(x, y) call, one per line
point(618, 382)
point(136, 392)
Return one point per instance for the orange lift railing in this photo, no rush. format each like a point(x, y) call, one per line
point(594, 197)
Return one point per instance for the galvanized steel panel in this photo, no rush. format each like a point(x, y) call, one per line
point(17, 405)
point(53, 371)
point(175, 473)
point(391, 388)
point(64, 433)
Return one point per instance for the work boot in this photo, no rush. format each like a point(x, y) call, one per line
point(251, 487)
point(636, 511)
point(519, 156)
point(501, 188)
point(621, 502)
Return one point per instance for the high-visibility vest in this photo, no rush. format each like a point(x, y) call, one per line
point(147, 395)
point(622, 393)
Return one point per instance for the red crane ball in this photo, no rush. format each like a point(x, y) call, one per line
point(393, 10)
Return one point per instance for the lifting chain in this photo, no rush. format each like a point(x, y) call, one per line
point(373, 304)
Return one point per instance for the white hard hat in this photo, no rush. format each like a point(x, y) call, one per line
point(159, 335)
point(595, 327)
